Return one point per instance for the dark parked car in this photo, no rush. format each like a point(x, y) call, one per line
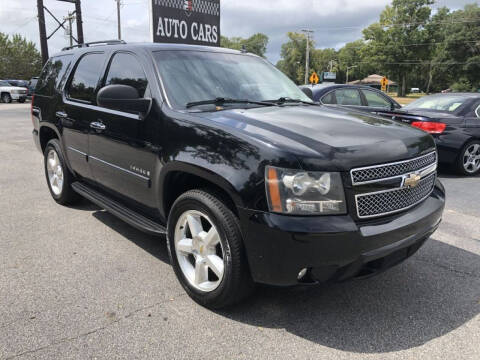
point(358, 97)
point(250, 180)
point(453, 119)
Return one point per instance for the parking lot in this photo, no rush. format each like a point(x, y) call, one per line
point(78, 283)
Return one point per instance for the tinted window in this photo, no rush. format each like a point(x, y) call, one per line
point(126, 70)
point(376, 100)
point(85, 79)
point(348, 97)
point(329, 98)
point(52, 73)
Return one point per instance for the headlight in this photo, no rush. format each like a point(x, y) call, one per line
point(304, 193)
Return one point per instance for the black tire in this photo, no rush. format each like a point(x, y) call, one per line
point(21, 100)
point(236, 283)
point(66, 196)
point(6, 98)
point(460, 167)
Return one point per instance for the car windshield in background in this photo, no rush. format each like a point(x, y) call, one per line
point(193, 76)
point(438, 103)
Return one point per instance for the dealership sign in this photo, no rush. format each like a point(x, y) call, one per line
point(186, 21)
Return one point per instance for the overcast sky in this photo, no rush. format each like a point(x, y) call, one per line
point(335, 21)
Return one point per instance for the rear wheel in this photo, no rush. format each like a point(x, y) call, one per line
point(6, 98)
point(206, 250)
point(468, 162)
point(59, 178)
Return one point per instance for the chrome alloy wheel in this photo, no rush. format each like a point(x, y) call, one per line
point(55, 172)
point(199, 250)
point(471, 158)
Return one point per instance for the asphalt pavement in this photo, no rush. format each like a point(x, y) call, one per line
point(77, 283)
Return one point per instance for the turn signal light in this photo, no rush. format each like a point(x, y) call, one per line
point(430, 126)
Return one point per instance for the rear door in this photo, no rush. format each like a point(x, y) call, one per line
point(347, 97)
point(121, 156)
point(376, 102)
point(79, 110)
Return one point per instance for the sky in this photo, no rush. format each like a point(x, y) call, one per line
point(335, 22)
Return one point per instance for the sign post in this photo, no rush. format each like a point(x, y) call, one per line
point(384, 83)
point(195, 22)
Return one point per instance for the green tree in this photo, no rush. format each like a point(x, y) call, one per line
point(256, 44)
point(292, 62)
point(19, 58)
point(393, 42)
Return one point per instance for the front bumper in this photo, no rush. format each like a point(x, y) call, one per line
point(18, 96)
point(335, 248)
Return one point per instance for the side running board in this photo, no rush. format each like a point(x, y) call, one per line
point(115, 208)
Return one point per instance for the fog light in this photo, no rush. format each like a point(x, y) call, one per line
point(302, 273)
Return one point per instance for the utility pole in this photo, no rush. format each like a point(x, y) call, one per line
point(118, 20)
point(307, 55)
point(70, 19)
point(78, 12)
point(348, 68)
point(42, 32)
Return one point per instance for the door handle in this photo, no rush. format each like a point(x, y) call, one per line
point(61, 114)
point(98, 125)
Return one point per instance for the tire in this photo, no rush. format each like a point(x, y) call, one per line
point(21, 101)
point(59, 178)
point(196, 257)
point(6, 98)
point(468, 162)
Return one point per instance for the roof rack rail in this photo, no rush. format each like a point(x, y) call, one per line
point(95, 43)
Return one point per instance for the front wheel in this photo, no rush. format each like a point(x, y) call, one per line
point(468, 162)
point(21, 100)
point(206, 250)
point(6, 98)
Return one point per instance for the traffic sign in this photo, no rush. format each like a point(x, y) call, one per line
point(384, 82)
point(314, 78)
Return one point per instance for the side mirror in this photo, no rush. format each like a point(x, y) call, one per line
point(307, 91)
point(123, 98)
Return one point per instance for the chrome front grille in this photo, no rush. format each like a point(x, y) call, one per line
point(390, 201)
point(385, 171)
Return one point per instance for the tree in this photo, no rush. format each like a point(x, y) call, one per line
point(19, 58)
point(256, 44)
point(393, 43)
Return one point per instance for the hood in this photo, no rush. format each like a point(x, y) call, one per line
point(14, 88)
point(327, 138)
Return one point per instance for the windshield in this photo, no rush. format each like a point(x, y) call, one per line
point(191, 76)
point(440, 103)
point(4, 83)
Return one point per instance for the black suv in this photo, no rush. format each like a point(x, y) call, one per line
point(250, 181)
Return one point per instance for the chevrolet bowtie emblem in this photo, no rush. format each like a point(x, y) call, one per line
point(411, 180)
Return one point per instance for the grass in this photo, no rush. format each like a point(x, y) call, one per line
point(407, 99)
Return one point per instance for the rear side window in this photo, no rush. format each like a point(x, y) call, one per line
point(376, 100)
point(85, 79)
point(348, 97)
point(126, 70)
point(52, 74)
point(329, 98)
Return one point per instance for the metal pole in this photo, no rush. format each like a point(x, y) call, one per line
point(118, 20)
point(42, 31)
point(307, 55)
point(78, 11)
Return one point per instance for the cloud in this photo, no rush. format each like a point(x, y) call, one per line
point(335, 21)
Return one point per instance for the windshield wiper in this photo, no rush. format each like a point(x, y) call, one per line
point(282, 100)
point(221, 101)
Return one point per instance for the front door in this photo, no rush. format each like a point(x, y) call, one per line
point(121, 155)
